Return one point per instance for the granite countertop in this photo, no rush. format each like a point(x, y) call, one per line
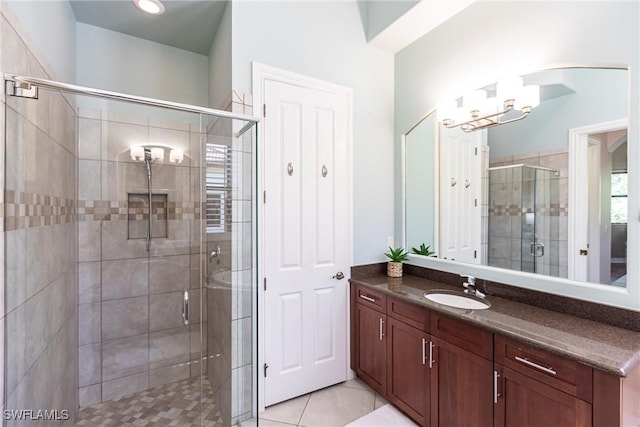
point(608, 348)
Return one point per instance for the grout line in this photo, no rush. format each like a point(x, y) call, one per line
point(305, 408)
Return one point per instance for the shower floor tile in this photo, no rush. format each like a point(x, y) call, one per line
point(175, 404)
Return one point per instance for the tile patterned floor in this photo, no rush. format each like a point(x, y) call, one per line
point(333, 406)
point(176, 404)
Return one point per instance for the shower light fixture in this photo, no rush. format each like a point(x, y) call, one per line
point(157, 153)
point(137, 153)
point(153, 7)
point(479, 112)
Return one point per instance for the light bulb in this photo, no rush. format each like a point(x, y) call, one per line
point(176, 156)
point(474, 100)
point(157, 154)
point(446, 111)
point(137, 153)
point(507, 90)
point(529, 98)
point(153, 7)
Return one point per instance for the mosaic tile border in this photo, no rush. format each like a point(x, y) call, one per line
point(29, 210)
point(105, 210)
point(555, 209)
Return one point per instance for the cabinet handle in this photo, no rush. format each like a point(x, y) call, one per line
point(431, 361)
point(424, 351)
point(535, 365)
point(496, 375)
point(381, 329)
point(366, 298)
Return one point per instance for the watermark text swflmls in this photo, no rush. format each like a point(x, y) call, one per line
point(36, 414)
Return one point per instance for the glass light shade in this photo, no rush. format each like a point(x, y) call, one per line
point(508, 88)
point(153, 7)
point(176, 156)
point(491, 106)
point(157, 154)
point(461, 115)
point(137, 153)
point(446, 110)
point(474, 100)
point(529, 97)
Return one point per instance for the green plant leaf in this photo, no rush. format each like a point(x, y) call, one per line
point(397, 254)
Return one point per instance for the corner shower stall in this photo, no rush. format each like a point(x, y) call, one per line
point(128, 258)
point(524, 211)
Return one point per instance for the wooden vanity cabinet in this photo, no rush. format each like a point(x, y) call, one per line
point(369, 341)
point(462, 374)
point(441, 371)
point(537, 388)
point(408, 373)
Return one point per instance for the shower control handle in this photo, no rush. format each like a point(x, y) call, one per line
point(537, 249)
point(185, 307)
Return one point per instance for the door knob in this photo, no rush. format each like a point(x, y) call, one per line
point(339, 275)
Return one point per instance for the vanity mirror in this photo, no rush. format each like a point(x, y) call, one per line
point(545, 195)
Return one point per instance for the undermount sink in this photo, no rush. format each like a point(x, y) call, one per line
point(457, 300)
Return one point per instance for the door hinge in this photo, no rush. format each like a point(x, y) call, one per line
point(265, 283)
point(475, 149)
point(266, 366)
point(475, 202)
point(264, 196)
point(264, 110)
point(475, 254)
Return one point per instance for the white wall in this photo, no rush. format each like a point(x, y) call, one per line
point(122, 63)
point(325, 40)
point(220, 62)
point(467, 52)
point(49, 28)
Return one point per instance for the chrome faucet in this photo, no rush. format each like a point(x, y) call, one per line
point(215, 254)
point(470, 286)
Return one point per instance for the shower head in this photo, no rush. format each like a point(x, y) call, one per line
point(147, 160)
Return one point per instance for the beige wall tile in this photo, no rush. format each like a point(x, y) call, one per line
point(124, 317)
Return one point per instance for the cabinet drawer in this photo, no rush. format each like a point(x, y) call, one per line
point(411, 314)
point(371, 298)
point(462, 334)
point(567, 375)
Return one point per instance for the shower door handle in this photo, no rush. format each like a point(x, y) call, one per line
point(185, 307)
point(537, 249)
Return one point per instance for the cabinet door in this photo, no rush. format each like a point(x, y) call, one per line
point(461, 387)
point(408, 370)
point(371, 347)
point(525, 402)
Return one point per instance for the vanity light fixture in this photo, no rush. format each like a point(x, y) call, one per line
point(479, 112)
point(154, 7)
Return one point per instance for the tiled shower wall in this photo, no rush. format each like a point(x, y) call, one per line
point(131, 335)
point(230, 284)
point(505, 230)
point(39, 194)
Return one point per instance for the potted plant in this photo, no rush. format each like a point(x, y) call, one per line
point(423, 250)
point(394, 267)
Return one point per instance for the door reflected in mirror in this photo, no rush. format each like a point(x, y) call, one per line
point(551, 195)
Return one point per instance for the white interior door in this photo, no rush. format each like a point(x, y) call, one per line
point(305, 238)
point(460, 192)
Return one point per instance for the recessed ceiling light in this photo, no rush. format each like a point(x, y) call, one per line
point(153, 7)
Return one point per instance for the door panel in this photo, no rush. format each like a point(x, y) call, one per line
point(460, 191)
point(306, 232)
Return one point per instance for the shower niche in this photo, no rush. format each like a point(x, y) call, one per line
point(138, 216)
